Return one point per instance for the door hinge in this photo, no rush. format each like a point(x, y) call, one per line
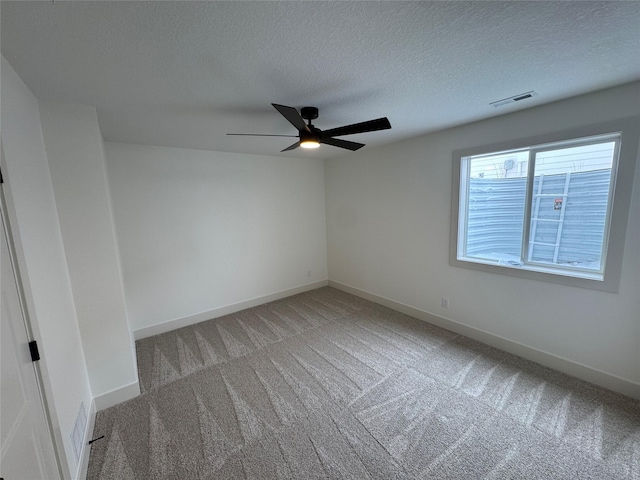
point(33, 348)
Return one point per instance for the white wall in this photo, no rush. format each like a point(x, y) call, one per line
point(41, 259)
point(74, 147)
point(201, 230)
point(388, 217)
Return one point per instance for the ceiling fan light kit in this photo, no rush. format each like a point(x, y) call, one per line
point(311, 143)
point(311, 137)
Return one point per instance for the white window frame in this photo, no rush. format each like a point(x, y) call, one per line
point(627, 132)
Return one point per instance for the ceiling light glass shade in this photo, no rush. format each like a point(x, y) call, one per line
point(309, 144)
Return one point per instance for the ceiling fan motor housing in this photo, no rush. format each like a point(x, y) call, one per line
point(310, 136)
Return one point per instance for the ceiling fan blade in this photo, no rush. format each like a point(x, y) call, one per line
point(293, 116)
point(336, 142)
point(370, 126)
point(260, 135)
point(291, 147)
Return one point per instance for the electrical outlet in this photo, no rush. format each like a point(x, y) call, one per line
point(445, 302)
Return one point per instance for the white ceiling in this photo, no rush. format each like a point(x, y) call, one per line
point(184, 74)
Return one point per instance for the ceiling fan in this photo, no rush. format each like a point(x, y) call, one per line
point(311, 137)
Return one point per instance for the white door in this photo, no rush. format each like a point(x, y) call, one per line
point(27, 448)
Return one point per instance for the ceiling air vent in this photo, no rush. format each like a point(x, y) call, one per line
point(515, 98)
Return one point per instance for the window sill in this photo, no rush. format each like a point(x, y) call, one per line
point(560, 272)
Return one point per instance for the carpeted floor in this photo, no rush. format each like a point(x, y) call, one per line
point(327, 385)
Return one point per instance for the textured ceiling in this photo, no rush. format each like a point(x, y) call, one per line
point(184, 74)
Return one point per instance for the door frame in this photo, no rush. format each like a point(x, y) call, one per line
point(40, 372)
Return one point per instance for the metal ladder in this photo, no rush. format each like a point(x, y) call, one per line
point(560, 221)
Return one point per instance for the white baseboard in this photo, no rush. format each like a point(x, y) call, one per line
point(589, 374)
point(116, 396)
point(83, 465)
point(170, 325)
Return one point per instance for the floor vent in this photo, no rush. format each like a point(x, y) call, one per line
point(515, 98)
point(77, 435)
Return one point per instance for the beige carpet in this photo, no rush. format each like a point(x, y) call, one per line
point(327, 385)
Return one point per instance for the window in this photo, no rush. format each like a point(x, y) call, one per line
point(545, 210)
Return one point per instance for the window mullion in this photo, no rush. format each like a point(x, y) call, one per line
point(528, 203)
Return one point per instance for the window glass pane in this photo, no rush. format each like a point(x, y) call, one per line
point(569, 205)
point(496, 195)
